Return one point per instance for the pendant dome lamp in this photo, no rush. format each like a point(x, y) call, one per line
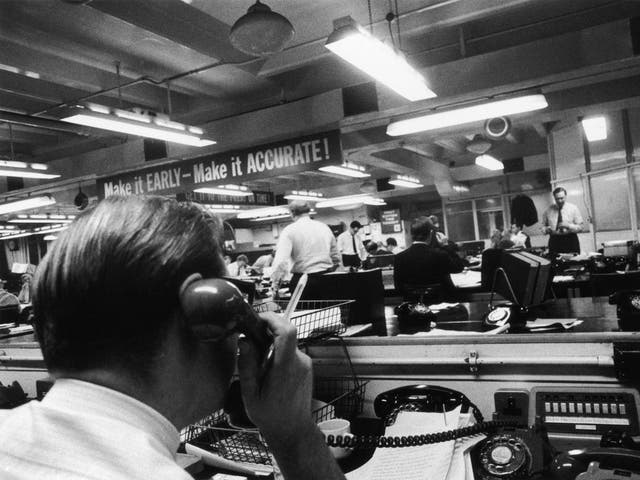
point(261, 31)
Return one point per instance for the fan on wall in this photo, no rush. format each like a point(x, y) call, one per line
point(261, 31)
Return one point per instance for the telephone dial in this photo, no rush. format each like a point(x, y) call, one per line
point(628, 309)
point(215, 308)
point(507, 313)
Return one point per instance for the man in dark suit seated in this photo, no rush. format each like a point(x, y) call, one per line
point(424, 264)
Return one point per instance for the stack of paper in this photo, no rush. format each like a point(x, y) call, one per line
point(439, 461)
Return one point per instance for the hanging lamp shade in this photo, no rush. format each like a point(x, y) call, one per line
point(261, 31)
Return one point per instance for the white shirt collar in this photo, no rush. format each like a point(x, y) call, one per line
point(91, 399)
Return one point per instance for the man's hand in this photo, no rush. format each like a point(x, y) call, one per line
point(283, 398)
point(280, 405)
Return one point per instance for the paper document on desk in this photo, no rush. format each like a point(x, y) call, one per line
point(315, 322)
point(461, 461)
point(546, 323)
point(466, 279)
point(424, 462)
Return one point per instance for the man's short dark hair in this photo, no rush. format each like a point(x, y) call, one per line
point(421, 229)
point(106, 293)
point(299, 207)
point(355, 224)
point(372, 247)
point(392, 242)
point(558, 190)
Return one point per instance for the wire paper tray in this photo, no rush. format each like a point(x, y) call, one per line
point(335, 398)
point(313, 318)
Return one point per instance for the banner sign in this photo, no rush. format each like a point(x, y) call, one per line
point(259, 199)
point(234, 167)
point(390, 220)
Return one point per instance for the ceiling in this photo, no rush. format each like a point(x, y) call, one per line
point(174, 56)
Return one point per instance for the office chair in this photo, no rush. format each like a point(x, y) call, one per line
point(365, 287)
point(603, 284)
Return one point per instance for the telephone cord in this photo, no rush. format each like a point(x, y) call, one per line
point(364, 441)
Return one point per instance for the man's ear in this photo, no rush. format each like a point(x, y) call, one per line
point(194, 277)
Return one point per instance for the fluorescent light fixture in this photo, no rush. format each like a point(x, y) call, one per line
point(10, 168)
point(223, 208)
point(304, 195)
point(349, 200)
point(460, 188)
point(26, 204)
point(123, 121)
point(264, 212)
point(17, 234)
point(230, 190)
point(50, 238)
point(489, 162)
point(42, 218)
point(464, 115)
point(271, 217)
point(347, 170)
point(379, 60)
point(595, 128)
point(50, 228)
point(405, 181)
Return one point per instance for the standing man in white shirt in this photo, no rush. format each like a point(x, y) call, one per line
point(307, 244)
point(562, 221)
point(351, 247)
point(132, 369)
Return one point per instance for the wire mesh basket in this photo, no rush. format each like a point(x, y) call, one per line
point(313, 318)
point(333, 398)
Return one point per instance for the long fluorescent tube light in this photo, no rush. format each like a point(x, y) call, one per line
point(346, 170)
point(230, 190)
point(264, 212)
point(407, 182)
point(122, 121)
point(26, 204)
point(304, 195)
point(349, 200)
point(10, 168)
point(464, 115)
point(364, 51)
point(42, 218)
point(50, 238)
point(223, 208)
point(595, 128)
point(489, 162)
point(17, 234)
point(271, 217)
point(460, 188)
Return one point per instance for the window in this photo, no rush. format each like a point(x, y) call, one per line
point(460, 226)
point(490, 217)
point(611, 212)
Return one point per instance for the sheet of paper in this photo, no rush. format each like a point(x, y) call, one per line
point(458, 467)
point(566, 323)
point(412, 463)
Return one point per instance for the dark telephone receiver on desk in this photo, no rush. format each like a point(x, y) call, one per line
point(510, 449)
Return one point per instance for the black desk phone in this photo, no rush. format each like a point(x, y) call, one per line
point(628, 309)
point(498, 315)
point(510, 451)
point(216, 308)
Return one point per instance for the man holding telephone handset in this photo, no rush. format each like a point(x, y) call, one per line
point(131, 370)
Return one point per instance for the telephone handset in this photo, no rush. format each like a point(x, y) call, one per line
point(418, 398)
point(422, 398)
point(613, 462)
point(215, 308)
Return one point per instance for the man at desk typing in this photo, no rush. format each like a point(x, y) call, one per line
point(423, 263)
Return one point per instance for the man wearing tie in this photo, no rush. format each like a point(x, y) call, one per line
point(351, 247)
point(562, 221)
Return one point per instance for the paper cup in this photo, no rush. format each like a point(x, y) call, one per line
point(337, 427)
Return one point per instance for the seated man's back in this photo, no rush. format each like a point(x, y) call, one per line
point(84, 431)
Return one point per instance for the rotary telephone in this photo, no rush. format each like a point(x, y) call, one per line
point(507, 453)
point(628, 309)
